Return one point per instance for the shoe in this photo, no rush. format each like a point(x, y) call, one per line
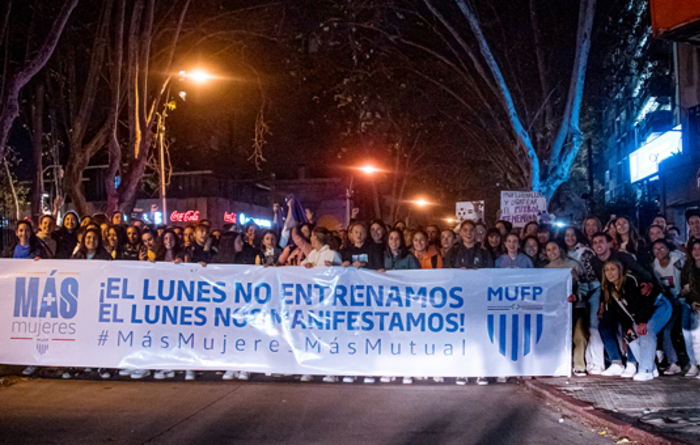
point(88, 369)
point(66, 375)
point(163, 374)
point(481, 381)
point(643, 377)
point(243, 375)
point(189, 376)
point(228, 375)
point(630, 371)
point(329, 379)
point(461, 381)
point(655, 373)
point(125, 372)
point(369, 380)
point(578, 373)
point(104, 374)
point(29, 370)
point(595, 370)
point(673, 369)
point(305, 378)
point(614, 370)
point(386, 379)
point(348, 379)
point(140, 373)
point(502, 380)
point(438, 380)
point(692, 372)
point(408, 380)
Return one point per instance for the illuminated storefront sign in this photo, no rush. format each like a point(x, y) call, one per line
point(188, 216)
point(243, 219)
point(230, 217)
point(645, 161)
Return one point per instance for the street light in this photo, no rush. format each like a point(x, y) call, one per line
point(198, 76)
point(366, 169)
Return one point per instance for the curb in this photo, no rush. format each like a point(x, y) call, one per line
point(594, 417)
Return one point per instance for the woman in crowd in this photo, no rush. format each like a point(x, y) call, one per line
point(628, 239)
point(26, 246)
point(513, 258)
point(133, 249)
point(533, 249)
point(67, 236)
point(322, 253)
point(377, 230)
point(115, 243)
point(690, 295)
point(168, 248)
point(589, 291)
point(667, 266)
point(447, 241)
point(251, 234)
point(480, 232)
point(293, 255)
point(269, 254)
point(427, 255)
point(590, 227)
point(91, 247)
point(641, 311)
point(433, 232)
point(493, 242)
point(530, 229)
point(47, 227)
point(148, 240)
point(361, 253)
point(558, 259)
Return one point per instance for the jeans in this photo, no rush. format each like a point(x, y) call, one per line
point(691, 332)
point(595, 353)
point(644, 348)
point(666, 334)
point(608, 329)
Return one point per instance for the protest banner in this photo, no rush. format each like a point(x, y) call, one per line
point(338, 321)
point(519, 208)
point(473, 210)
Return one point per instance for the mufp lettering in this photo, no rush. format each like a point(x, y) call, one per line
point(513, 293)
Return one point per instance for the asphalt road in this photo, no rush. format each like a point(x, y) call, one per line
point(48, 411)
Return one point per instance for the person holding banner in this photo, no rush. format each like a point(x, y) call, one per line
point(427, 255)
point(47, 226)
point(513, 258)
point(67, 236)
point(91, 247)
point(641, 310)
point(269, 253)
point(27, 245)
point(361, 254)
point(468, 254)
point(447, 241)
point(321, 254)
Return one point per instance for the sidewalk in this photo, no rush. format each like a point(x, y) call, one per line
point(660, 411)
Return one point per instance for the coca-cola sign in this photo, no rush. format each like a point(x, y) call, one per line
point(230, 217)
point(188, 216)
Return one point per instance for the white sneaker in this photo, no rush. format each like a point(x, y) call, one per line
point(595, 370)
point(438, 379)
point(66, 375)
point(29, 370)
point(643, 377)
point(502, 380)
point(243, 375)
point(630, 371)
point(408, 380)
point(305, 378)
point(329, 379)
point(189, 376)
point(578, 373)
point(228, 375)
point(386, 379)
point(140, 373)
point(104, 374)
point(461, 381)
point(673, 369)
point(692, 372)
point(348, 379)
point(369, 380)
point(126, 372)
point(614, 370)
point(655, 372)
point(481, 381)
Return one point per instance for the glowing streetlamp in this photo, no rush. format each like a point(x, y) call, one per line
point(367, 169)
point(420, 202)
point(198, 76)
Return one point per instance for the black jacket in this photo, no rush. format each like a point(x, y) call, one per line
point(638, 296)
point(100, 254)
point(375, 256)
point(471, 258)
point(196, 254)
point(626, 259)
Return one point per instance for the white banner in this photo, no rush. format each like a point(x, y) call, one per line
point(522, 207)
point(448, 322)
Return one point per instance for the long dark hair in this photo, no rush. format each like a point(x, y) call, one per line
point(633, 237)
point(403, 250)
point(83, 250)
point(610, 289)
point(160, 245)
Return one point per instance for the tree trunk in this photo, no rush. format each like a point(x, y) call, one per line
point(37, 150)
point(18, 79)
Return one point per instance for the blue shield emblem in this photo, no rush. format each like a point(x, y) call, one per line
point(515, 332)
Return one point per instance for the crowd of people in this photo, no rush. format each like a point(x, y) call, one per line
point(635, 298)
